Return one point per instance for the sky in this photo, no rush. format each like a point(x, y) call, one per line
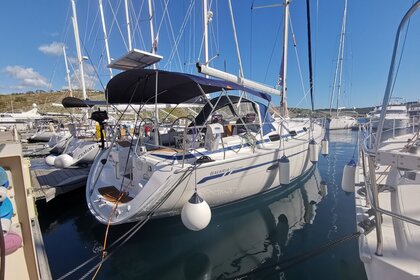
point(33, 33)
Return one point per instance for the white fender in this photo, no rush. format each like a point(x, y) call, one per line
point(50, 159)
point(324, 147)
point(196, 213)
point(63, 161)
point(284, 169)
point(349, 175)
point(313, 151)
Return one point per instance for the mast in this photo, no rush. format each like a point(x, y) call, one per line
point(339, 65)
point(343, 32)
point(67, 71)
point(79, 51)
point(108, 57)
point(283, 101)
point(206, 34)
point(154, 47)
point(152, 32)
point(127, 19)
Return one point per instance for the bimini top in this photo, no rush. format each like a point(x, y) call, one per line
point(138, 86)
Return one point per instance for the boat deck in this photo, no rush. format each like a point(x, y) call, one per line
point(396, 260)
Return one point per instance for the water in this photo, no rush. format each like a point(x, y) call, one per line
point(253, 240)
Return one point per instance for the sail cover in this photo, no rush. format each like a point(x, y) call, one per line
point(73, 102)
point(138, 86)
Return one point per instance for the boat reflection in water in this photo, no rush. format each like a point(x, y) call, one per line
point(239, 239)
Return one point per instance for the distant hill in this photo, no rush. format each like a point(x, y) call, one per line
point(18, 102)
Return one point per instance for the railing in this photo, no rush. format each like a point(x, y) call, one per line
point(372, 188)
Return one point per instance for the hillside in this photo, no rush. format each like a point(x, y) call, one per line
point(19, 102)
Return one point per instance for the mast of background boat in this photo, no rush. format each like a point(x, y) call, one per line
point(343, 32)
point(78, 49)
point(108, 57)
point(283, 100)
point(67, 71)
point(391, 81)
point(339, 65)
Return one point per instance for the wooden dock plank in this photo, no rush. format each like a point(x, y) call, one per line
point(48, 182)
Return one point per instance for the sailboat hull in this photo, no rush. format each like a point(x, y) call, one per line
point(162, 186)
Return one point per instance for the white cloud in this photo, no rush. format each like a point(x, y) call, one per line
point(90, 77)
point(55, 48)
point(73, 60)
point(27, 77)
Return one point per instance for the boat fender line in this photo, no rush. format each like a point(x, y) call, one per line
point(349, 176)
point(285, 264)
point(313, 151)
point(284, 170)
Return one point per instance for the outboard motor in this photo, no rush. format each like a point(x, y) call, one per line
point(99, 117)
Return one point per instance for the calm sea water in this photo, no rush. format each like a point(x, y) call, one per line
point(277, 236)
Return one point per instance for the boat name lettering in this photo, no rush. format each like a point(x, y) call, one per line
point(225, 170)
point(90, 148)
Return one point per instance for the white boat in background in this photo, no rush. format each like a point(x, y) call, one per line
point(43, 132)
point(22, 121)
point(230, 151)
point(387, 201)
point(337, 119)
point(396, 117)
point(414, 112)
point(341, 121)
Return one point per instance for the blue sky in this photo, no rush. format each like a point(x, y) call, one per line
point(33, 32)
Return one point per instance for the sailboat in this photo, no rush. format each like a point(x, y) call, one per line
point(231, 151)
point(22, 121)
point(340, 120)
point(387, 208)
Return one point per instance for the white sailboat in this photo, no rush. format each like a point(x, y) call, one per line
point(223, 166)
point(231, 151)
point(338, 120)
point(387, 208)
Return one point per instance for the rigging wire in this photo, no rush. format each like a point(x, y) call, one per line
point(178, 39)
point(137, 22)
point(114, 20)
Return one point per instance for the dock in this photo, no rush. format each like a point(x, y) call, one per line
point(30, 260)
point(49, 182)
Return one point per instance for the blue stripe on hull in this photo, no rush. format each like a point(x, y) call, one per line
point(208, 178)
